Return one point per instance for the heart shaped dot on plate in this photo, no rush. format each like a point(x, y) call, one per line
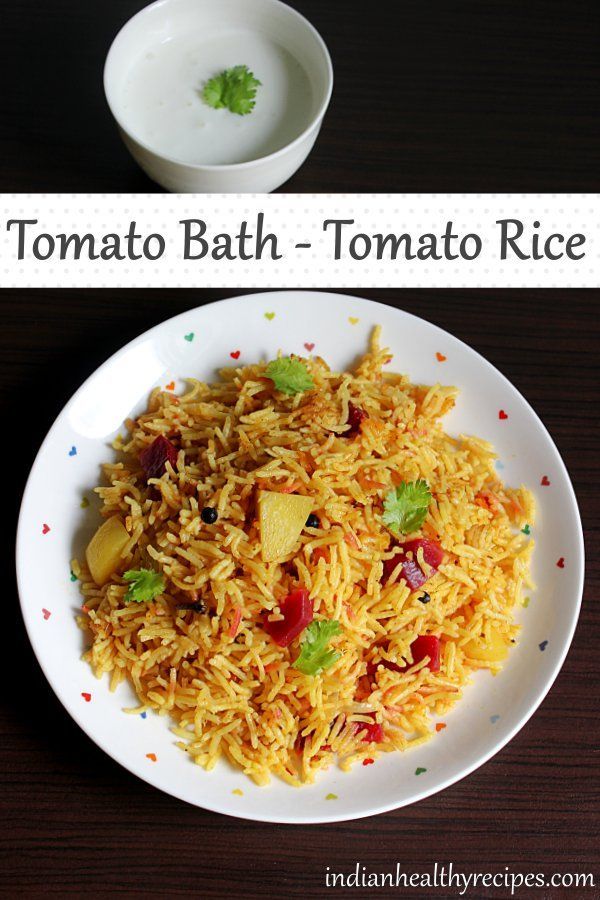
point(353, 320)
point(73, 451)
point(440, 357)
point(309, 347)
point(419, 770)
point(170, 386)
point(46, 613)
point(502, 415)
point(543, 645)
point(235, 354)
point(270, 316)
point(545, 481)
point(87, 697)
point(494, 719)
point(561, 563)
point(189, 337)
point(151, 757)
point(45, 528)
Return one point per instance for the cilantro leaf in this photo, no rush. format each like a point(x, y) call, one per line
point(144, 585)
point(290, 376)
point(315, 655)
point(405, 507)
point(233, 89)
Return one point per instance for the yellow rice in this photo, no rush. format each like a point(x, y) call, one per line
point(240, 697)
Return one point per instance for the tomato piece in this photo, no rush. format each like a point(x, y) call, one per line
point(297, 612)
point(411, 571)
point(432, 552)
point(154, 458)
point(372, 732)
point(356, 416)
point(427, 645)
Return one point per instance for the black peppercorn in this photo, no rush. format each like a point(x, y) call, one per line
point(312, 521)
point(198, 607)
point(209, 515)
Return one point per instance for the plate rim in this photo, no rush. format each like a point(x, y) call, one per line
point(424, 793)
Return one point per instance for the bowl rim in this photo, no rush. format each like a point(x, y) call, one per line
point(225, 167)
point(330, 818)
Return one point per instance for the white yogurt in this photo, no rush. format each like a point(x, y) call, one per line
point(161, 98)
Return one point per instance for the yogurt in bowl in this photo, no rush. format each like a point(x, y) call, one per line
point(160, 62)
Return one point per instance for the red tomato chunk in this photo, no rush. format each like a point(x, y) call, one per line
point(427, 645)
point(411, 571)
point(424, 645)
point(154, 458)
point(356, 416)
point(371, 732)
point(297, 613)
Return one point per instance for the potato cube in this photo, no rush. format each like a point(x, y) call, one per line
point(103, 552)
point(494, 650)
point(281, 519)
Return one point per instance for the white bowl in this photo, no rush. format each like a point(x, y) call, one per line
point(53, 527)
point(278, 27)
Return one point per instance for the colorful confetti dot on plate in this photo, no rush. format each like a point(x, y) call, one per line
point(526, 530)
point(543, 645)
point(545, 482)
point(237, 792)
point(84, 503)
point(170, 386)
point(73, 451)
point(419, 770)
point(73, 576)
point(189, 337)
point(308, 346)
point(331, 796)
point(526, 602)
point(144, 714)
point(494, 719)
point(87, 697)
point(151, 757)
point(235, 354)
point(45, 528)
point(440, 726)
point(353, 320)
point(368, 761)
point(502, 415)
point(270, 316)
point(440, 357)
point(561, 563)
point(46, 613)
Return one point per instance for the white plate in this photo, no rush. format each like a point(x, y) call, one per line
point(196, 343)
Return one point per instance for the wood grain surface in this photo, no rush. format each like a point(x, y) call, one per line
point(478, 95)
point(73, 822)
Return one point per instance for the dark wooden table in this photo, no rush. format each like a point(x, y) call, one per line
point(441, 95)
point(73, 821)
